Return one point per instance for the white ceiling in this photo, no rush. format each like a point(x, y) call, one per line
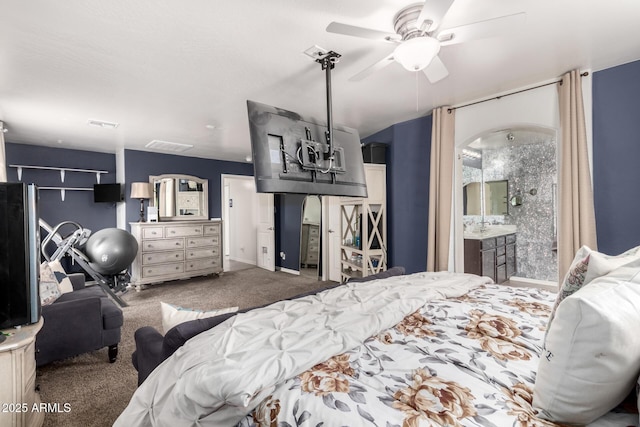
point(165, 69)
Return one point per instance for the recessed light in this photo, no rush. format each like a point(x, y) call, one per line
point(211, 127)
point(248, 158)
point(102, 124)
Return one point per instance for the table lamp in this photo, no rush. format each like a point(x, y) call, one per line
point(140, 190)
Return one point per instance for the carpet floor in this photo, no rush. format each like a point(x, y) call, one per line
point(97, 391)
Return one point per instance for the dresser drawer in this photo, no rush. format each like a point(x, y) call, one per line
point(314, 231)
point(152, 232)
point(193, 242)
point(202, 253)
point(162, 257)
point(313, 240)
point(183, 230)
point(210, 229)
point(162, 269)
point(511, 238)
point(162, 245)
point(500, 241)
point(202, 264)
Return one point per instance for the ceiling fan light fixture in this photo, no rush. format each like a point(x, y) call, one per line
point(417, 53)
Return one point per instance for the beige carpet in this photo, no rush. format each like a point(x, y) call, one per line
point(98, 391)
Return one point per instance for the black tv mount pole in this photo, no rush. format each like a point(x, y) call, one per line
point(328, 62)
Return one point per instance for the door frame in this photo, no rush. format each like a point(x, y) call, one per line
point(225, 214)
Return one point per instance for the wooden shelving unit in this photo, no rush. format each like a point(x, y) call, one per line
point(364, 228)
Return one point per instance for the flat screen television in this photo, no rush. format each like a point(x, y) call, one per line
point(19, 255)
point(107, 193)
point(291, 155)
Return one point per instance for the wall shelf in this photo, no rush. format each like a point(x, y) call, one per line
point(63, 190)
point(61, 169)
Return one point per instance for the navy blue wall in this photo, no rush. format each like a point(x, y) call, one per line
point(407, 191)
point(288, 211)
point(616, 156)
point(78, 206)
point(140, 164)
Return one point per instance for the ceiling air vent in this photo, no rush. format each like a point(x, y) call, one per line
point(102, 124)
point(174, 147)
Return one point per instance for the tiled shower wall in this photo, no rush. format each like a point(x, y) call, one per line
point(528, 165)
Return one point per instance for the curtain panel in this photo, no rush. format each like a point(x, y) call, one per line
point(576, 212)
point(440, 188)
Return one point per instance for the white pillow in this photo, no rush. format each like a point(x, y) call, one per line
point(586, 266)
point(64, 283)
point(49, 290)
point(591, 358)
point(173, 315)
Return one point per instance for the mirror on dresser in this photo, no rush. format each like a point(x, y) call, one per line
point(180, 197)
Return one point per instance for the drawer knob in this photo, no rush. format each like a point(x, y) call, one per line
point(177, 268)
point(177, 243)
point(177, 255)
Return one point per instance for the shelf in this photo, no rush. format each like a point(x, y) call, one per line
point(365, 217)
point(61, 169)
point(63, 190)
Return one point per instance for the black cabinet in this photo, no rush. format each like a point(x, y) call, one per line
point(494, 257)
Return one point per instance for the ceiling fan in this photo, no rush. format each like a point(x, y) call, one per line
point(419, 37)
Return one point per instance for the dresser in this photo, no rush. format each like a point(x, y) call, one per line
point(310, 244)
point(493, 257)
point(176, 250)
point(18, 396)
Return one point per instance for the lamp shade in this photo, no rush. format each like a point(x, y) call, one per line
point(140, 190)
point(417, 53)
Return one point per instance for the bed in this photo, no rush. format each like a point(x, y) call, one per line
point(426, 349)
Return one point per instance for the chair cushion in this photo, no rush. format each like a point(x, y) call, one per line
point(88, 292)
point(591, 359)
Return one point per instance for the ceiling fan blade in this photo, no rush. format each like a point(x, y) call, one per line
point(436, 71)
point(367, 33)
point(483, 29)
point(433, 10)
point(372, 69)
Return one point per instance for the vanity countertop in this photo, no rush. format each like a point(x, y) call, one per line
point(490, 231)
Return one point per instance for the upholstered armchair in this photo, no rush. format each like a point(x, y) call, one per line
point(78, 322)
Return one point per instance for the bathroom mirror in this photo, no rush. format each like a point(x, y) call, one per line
point(180, 197)
point(493, 193)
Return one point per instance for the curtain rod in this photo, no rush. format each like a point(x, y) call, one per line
point(449, 110)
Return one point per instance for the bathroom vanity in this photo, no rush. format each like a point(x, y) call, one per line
point(491, 252)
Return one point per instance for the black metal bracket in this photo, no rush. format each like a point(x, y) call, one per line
point(328, 62)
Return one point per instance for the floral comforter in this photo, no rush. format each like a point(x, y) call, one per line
point(466, 361)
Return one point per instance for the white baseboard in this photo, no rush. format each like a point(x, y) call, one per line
point(288, 270)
